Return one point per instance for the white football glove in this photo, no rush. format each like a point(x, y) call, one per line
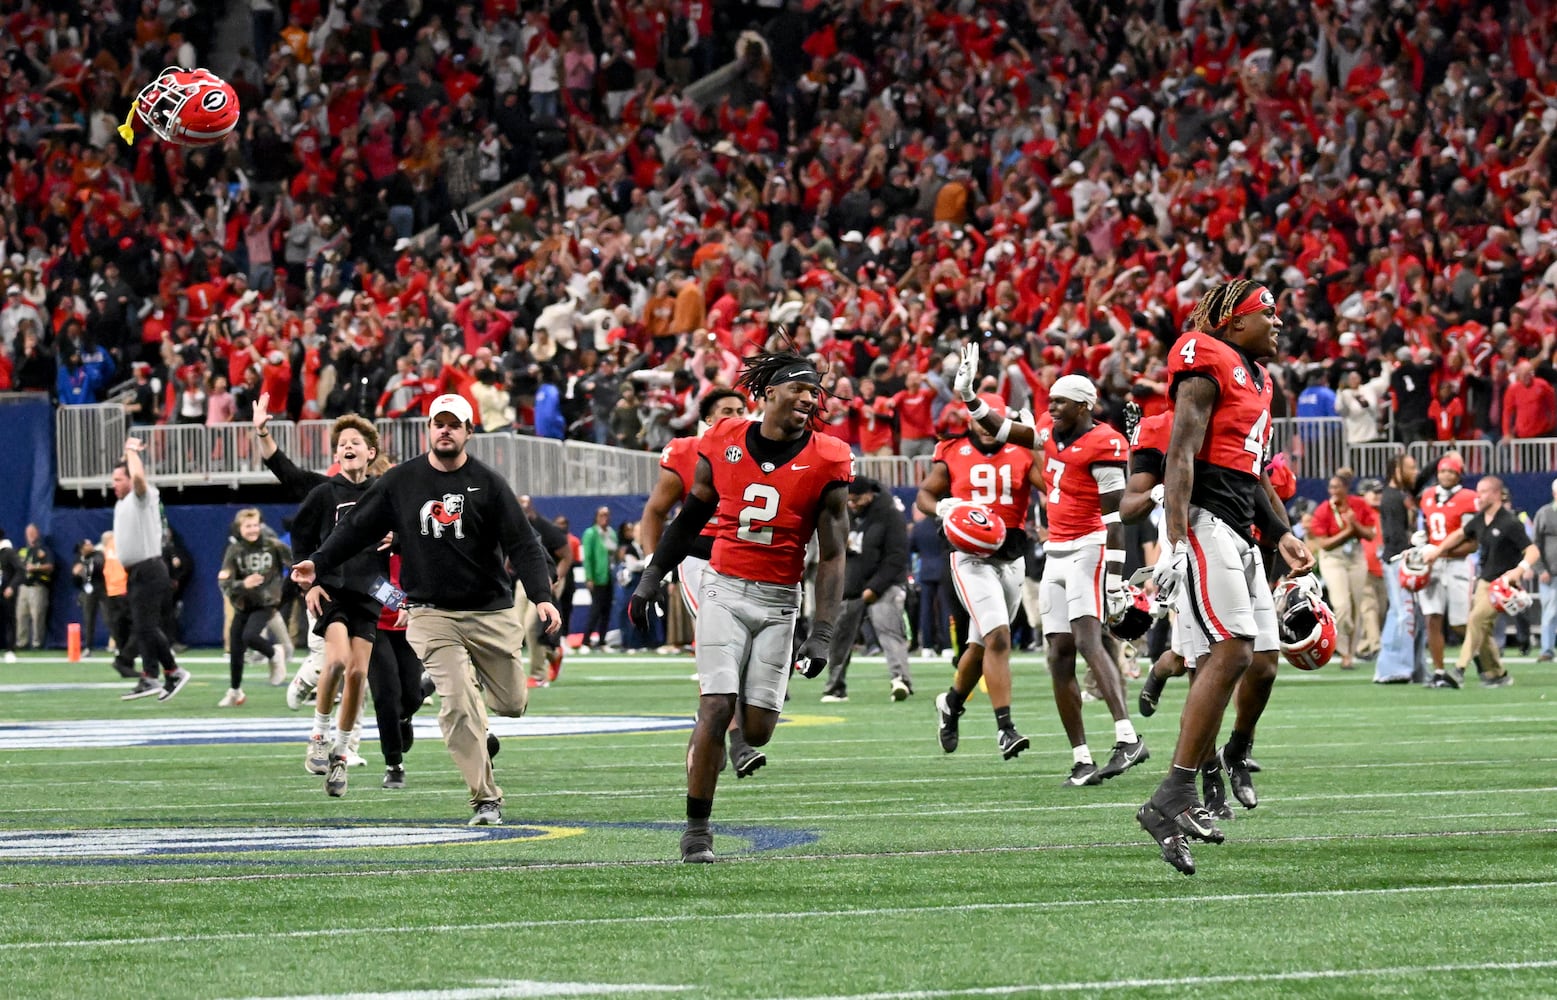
point(1309, 585)
point(1170, 571)
point(1418, 539)
point(1157, 494)
point(965, 384)
point(1116, 600)
point(945, 506)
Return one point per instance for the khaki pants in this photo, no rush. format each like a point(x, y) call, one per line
point(32, 613)
point(1354, 602)
point(473, 659)
point(1480, 643)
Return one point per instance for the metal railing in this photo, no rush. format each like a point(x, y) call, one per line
point(1315, 445)
point(89, 439)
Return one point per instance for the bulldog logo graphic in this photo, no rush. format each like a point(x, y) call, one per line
point(440, 514)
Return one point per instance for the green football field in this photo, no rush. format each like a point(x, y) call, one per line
point(1405, 845)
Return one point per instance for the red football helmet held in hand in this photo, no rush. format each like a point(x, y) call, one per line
point(1306, 626)
point(1415, 571)
point(1136, 618)
point(187, 107)
point(1507, 598)
point(973, 528)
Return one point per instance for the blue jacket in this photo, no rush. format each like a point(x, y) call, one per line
point(549, 421)
point(75, 386)
point(1316, 401)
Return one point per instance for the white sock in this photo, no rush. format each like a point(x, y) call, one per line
point(343, 741)
point(1081, 754)
point(1124, 732)
point(321, 724)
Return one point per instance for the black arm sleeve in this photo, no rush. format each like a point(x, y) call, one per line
point(522, 546)
point(1272, 526)
point(681, 533)
point(364, 527)
point(300, 482)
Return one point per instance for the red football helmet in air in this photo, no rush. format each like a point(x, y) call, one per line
point(1415, 571)
point(973, 528)
point(192, 107)
point(1306, 626)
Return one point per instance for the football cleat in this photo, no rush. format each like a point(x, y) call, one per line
point(1238, 776)
point(948, 720)
point(1125, 756)
point(1011, 743)
point(1214, 792)
point(1151, 693)
point(747, 760)
point(697, 848)
point(1082, 774)
point(1175, 846)
point(1196, 823)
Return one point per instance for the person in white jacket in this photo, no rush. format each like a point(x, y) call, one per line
point(1357, 404)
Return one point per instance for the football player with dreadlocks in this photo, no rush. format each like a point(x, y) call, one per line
point(773, 484)
point(1216, 495)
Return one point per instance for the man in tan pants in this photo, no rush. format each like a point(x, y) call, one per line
point(1340, 526)
point(457, 523)
point(1507, 555)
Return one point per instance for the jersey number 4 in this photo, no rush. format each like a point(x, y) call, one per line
point(753, 522)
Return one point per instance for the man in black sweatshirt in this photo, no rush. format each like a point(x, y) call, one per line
point(874, 583)
point(456, 521)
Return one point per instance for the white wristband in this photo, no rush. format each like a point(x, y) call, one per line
point(1004, 431)
point(977, 408)
point(1113, 555)
point(1112, 518)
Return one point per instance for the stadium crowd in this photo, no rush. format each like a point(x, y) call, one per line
point(881, 179)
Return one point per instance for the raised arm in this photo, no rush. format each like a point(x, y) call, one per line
point(1004, 428)
point(133, 446)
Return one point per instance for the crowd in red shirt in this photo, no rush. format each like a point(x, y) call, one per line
point(879, 181)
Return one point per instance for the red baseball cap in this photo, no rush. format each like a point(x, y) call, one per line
point(1452, 463)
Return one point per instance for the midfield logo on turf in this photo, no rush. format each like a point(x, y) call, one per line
point(153, 842)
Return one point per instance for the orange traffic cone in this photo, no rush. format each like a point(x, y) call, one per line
point(73, 642)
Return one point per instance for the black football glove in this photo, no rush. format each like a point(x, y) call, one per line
point(1132, 420)
point(812, 659)
point(646, 599)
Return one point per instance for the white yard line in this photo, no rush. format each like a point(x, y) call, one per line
point(791, 915)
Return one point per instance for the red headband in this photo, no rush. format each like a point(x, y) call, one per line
point(1259, 297)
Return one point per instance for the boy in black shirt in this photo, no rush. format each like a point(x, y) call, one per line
point(455, 520)
point(1506, 553)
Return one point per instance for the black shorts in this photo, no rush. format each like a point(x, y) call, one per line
point(358, 612)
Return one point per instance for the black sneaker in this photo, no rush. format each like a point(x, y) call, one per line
point(493, 746)
point(1447, 679)
point(948, 719)
point(1125, 756)
point(1151, 693)
point(1251, 765)
point(335, 777)
point(1011, 743)
point(408, 735)
point(1238, 776)
point(1214, 792)
point(146, 687)
point(1175, 846)
point(1502, 680)
point(1082, 775)
point(747, 759)
point(173, 683)
point(394, 777)
point(697, 848)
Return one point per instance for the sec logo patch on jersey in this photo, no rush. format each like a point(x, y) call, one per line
point(733, 454)
point(1240, 376)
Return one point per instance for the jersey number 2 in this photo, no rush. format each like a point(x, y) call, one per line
point(753, 521)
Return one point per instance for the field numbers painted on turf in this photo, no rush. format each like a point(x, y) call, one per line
point(764, 504)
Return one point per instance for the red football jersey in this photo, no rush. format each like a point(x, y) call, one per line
point(998, 481)
point(680, 457)
point(1240, 423)
point(1070, 477)
point(768, 515)
point(1151, 434)
point(1444, 516)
